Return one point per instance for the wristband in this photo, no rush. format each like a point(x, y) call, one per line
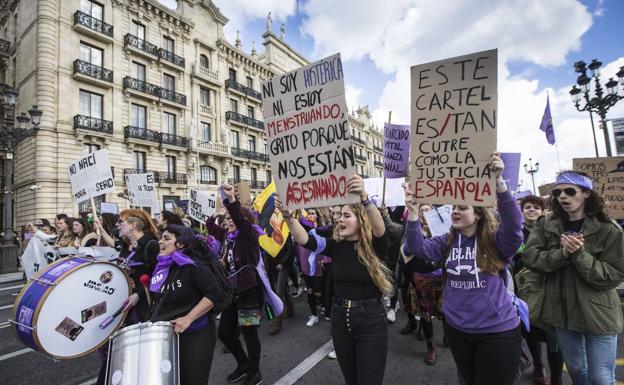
point(366, 202)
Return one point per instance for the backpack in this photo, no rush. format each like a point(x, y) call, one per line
point(220, 275)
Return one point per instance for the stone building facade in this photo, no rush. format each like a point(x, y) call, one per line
point(368, 142)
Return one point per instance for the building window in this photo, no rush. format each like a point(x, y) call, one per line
point(138, 71)
point(250, 112)
point(169, 121)
point(90, 104)
point(236, 173)
point(254, 174)
point(268, 176)
point(138, 116)
point(89, 148)
point(204, 96)
point(251, 143)
point(208, 174)
point(168, 82)
point(168, 44)
point(206, 131)
point(92, 9)
point(138, 30)
point(234, 105)
point(234, 135)
point(249, 82)
point(170, 164)
point(203, 61)
point(232, 74)
point(138, 160)
point(266, 148)
point(91, 54)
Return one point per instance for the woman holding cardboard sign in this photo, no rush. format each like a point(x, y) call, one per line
point(482, 322)
point(358, 323)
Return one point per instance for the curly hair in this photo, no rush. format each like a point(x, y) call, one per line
point(194, 246)
point(594, 204)
point(534, 199)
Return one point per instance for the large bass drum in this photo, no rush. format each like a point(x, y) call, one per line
point(59, 312)
point(144, 353)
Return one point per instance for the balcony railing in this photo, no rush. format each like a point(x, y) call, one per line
point(258, 184)
point(140, 44)
point(93, 23)
point(208, 73)
point(138, 171)
point(92, 70)
point(174, 140)
point(215, 147)
point(258, 156)
point(4, 46)
point(171, 57)
point(171, 178)
point(93, 124)
point(208, 181)
point(139, 85)
point(233, 84)
point(142, 133)
point(377, 148)
point(249, 121)
point(379, 164)
point(358, 140)
point(240, 152)
point(172, 96)
point(361, 157)
point(238, 180)
point(206, 109)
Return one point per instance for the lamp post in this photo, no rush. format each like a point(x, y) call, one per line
point(600, 102)
point(10, 137)
point(532, 169)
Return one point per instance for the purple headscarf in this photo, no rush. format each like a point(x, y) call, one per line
point(574, 178)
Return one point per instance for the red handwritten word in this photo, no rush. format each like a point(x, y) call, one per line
point(315, 190)
point(454, 188)
point(302, 118)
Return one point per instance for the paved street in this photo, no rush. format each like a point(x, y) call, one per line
point(280, 355)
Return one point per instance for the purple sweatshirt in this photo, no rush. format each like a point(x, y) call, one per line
point(474, 302)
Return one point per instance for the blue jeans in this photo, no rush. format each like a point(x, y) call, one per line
point(589, 358)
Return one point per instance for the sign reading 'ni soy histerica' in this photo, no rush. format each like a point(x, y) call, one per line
point(307, 132)
point(91, 176)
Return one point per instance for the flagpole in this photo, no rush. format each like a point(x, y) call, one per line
point(383, 194)
point(556, 143)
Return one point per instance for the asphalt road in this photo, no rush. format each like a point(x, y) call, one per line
point(280, 355)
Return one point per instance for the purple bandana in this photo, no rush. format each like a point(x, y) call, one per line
point(574, 178)
point(161, 271)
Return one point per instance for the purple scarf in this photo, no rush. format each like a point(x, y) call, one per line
point(233, 235)
point(161, 271)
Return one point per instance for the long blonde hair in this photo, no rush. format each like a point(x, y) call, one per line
point(379, 272)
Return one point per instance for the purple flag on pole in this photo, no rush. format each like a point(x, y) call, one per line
point(396, 150)
point(547, 125)
point(512, 168)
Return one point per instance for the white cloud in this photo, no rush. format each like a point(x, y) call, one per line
point(353, 95)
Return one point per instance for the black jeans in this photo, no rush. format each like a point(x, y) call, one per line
point(196, 352)
point(360, 336)
point(486, 358)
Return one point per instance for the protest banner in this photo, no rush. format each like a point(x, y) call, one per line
point(109, 207)
point(511, 173)
point(396, 150)
point(608, 176)
point(307, 132)
point(142, 191)
point(521, 194)
point(395, 195)
point(36, 256)
point(243, 192)
point(545, 189)
point(454, 114)
point(439, 220)
point(91, 176)
point(201, 206)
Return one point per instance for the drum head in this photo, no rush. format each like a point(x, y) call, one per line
point(68, 321)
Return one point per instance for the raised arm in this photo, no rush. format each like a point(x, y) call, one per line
point(356, 185)
point(233, 207)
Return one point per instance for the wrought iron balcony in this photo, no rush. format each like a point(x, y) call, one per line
point(174, 140)
point(138, 171)
point(171, 178)
point(379, 164)
point(139, 85)
point(86, 68)
point(238, 180)
point(142, 133)
point(358, 140)
point(377, 148)
point(361, 157)
point(208, 181)
point(4, 46)
point(93, 124)
point(171, 57)
point(91, 22)
point(133, 41)
point(258, 156)
point(258, 184)
point(172, 96)
point(233, 84)
point(246, 120)
point(240, 152)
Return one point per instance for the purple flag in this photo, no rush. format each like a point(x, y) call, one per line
point(547, 125)
point(512, 169)
point(522, 194)
point(396, 150)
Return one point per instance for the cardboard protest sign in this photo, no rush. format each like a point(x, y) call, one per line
point(608, 176)
point(142, 191)
point(91, 176)
point(307, 132)
point(454, 111)
point(439, 220)
point(37, 256)
point(545, 189)
point(395, 195)
point(243, 192)
point(396, 150)
point(511, 172)
point(109, 207)
point(201, 206)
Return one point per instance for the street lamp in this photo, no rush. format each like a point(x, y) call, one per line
point(532, 169)
point(600, 103)
point(10, 137)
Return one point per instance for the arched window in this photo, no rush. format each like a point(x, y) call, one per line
point(203, 61)
point(207, 175)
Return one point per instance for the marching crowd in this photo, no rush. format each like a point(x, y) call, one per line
point(542, 271)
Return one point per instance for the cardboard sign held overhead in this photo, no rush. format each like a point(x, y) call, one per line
point(307, 132)
point(396, 150)
point(109, 207)
point(243, 192)
point(142, 191)
point(91, 176)
point(201, 206)
point(395, 195)
point(608, 176)
point(454, 115)
point(545, 189)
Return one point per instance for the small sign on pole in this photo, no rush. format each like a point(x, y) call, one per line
point(91, 176)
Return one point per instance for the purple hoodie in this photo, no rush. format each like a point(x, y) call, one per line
point(474, 302)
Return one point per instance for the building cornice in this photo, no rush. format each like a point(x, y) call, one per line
point(168, 16)
point(270, 37)
point(242, 58)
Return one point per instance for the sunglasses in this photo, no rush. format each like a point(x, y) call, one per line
point(569, 191)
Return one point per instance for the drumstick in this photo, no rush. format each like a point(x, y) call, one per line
point(145, 281)
point(110, 319)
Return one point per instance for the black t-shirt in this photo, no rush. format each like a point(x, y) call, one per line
point(574, 226)
point(184, 288)
point(351, 278)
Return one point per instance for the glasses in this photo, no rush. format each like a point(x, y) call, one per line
point(569, 191)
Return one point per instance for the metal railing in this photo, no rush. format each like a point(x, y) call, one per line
point(249, 121)
point(93, 124)
point(358, 140)
point(171, 57)
point(377, 148)
point(92, 70)
point(142, 133)
point(174, 140)
point(172, 96)
point(140, 85)
point(143, 45)
point(258, 184)
point(93, 23)
point(258, 156)
point(208, 181)
point(361, 157)
point(233, 84)
point(171, 178)
point(379, 164)
point(238, 180)
point(240, 152)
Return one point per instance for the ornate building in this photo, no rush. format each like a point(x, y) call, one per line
point(368, 144)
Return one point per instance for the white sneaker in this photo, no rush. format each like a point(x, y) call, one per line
point(391, 316)
point(332, 355)
point(313, 320)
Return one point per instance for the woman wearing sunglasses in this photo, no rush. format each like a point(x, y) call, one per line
point(582, 252)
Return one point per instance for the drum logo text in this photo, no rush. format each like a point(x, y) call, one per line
point(99, 287)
